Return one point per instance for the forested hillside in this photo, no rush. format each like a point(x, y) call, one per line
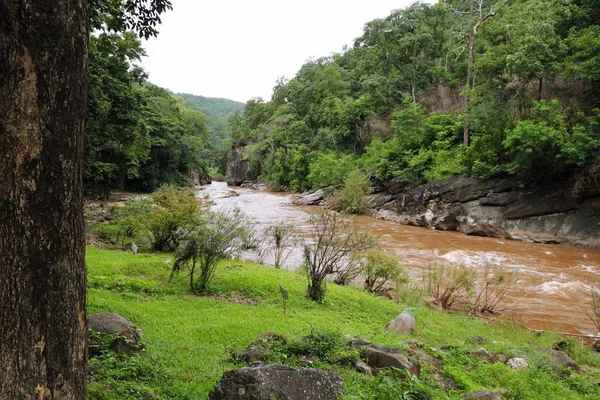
point(138, 135)
point(216, 111)
point(474, 87)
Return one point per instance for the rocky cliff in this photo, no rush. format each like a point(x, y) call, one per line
point(199, 178)
point(499, 207)
point(237, 167)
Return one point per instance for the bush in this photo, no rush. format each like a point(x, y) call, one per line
point(494, 283)
point(449, 283)
point(353, 197)
point(330, 170)
point(381, 269)
point(334, 241)
point(280, 236)
point(130, 217)
point(220, 236)
point(175, 213)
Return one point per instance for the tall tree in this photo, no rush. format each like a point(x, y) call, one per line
point(477, 9)
point(43, 89)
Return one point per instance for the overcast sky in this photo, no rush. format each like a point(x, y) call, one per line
point(237, 49)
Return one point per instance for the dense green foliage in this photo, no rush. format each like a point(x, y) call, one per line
point(393, 104)
point(189, 338)
point(138, 135)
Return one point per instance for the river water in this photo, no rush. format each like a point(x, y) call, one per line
point(554, 281)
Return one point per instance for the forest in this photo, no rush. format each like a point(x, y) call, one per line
point(481, 89)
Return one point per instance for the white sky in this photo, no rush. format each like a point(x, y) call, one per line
point(237, 49)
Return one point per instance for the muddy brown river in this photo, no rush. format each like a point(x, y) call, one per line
point(554, 281)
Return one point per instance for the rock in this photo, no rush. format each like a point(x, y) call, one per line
point(500, 358)
point(404, 323)
point(380, 358)
point(311, 199)
point(134, 248)
point(249, 356)
point(562, 360)
point(383, 293)
point(110, 323)
point(483, 354)
point(499, 207)
point(266, 382)
point(128, 340)
point(447, 384)
point(517, 363)
point(199, 178)
point(363, 367)
point(482, 395)
point(237, 166)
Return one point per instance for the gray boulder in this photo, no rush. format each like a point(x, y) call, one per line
point(562, 360)
point(265, 382)
point(404, 323)
point(311, 199)
point(128, 338)
point(383, 358)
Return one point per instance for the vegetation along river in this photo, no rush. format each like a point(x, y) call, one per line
point(554, 281)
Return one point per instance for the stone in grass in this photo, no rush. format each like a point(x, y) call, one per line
point(517, 363)
point(249, 356)
point(404, 323)
point(128, 340)
point(383, 358)
point(265, 382)
point(562, 360)
point(482, 395)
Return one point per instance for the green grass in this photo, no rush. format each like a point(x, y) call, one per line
point(189, 338)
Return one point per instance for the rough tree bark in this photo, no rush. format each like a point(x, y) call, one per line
point(43, 90)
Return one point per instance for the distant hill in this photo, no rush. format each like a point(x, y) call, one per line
point(217, 107)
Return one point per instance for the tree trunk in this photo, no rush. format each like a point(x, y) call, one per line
point(43, 91)
point(471, 45)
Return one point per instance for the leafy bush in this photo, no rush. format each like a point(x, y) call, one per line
point(381, 269)
point(352, 198)
point(221, 235)
point(448, 283)
point(130, 217)
point(330, 170)
point(176, 212)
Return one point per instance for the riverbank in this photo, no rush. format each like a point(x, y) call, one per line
point(188, 338)
point(504, 208)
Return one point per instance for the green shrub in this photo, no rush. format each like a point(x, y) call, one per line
point(381, 269)
point(130, 217)
point(448, 283)
point(175, 212)
point(330, 170)
point(353, 197)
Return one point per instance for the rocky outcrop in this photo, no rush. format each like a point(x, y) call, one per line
point(498, 207)
point(265, 382)
point(199, 178)
point(311, 198)
point(237, 167)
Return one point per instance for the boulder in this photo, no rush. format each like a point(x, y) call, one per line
point(404, 323)
point(128, 340)
point(311, 199)
point(482, 395)
point(265, 382)
point(383, 358)
point(562, 360)
point(363, 367)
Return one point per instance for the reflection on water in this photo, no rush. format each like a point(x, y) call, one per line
point(554, 280)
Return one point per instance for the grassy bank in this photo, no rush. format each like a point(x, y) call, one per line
point(189, 338)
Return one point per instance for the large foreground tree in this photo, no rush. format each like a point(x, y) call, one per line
point(43, 91)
